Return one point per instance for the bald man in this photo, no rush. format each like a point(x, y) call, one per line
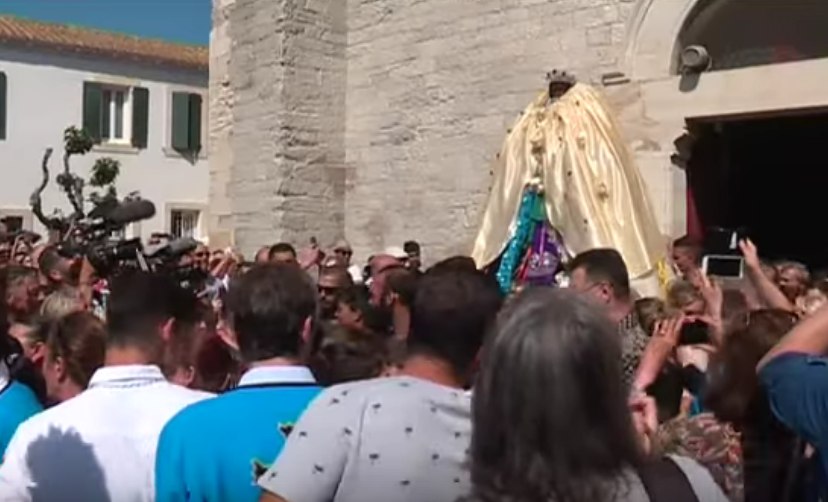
point(263, 255)
point(380, 266)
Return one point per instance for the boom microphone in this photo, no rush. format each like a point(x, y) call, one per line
point(130, 212)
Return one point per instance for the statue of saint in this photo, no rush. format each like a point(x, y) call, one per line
point(566, 154)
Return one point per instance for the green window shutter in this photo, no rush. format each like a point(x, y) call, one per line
point(140, 117)
point(195, 123)
point(92, 110)
point(3, 105)
point(180, 121)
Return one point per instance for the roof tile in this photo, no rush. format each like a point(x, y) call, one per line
point(67, 38)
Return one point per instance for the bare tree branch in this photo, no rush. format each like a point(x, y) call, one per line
point(73, 187)
point(36, 200)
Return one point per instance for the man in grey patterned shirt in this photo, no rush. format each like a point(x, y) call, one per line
point(602, 274)
point(401, 439)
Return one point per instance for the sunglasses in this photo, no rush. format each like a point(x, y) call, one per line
point(327, 290)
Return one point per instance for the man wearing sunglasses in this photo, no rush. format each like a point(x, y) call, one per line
point(332, 280)
point(342, 250)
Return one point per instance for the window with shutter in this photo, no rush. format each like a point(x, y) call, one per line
point(140, 117)
point(195, 123)
point(3, 106)
point(93, 110)
point(180, 121)
point(109, 113)
point(186, 122)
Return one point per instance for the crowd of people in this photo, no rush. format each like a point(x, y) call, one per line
point(305, 377)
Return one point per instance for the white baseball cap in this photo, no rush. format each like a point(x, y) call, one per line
point(397, 252)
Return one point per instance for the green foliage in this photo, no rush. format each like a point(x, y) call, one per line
point(104, 172)
point(103, 175)
point(77, 141)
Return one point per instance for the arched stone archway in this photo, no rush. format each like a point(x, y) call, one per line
point(659, 28)
point(769, 32)
point(652, 37)
point(667, 101)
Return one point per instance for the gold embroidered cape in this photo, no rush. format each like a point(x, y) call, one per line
point(594, 194)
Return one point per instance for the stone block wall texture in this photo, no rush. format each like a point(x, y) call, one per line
point(378, 119)
point(221, 125)
point(277, 127)
point(433, 86)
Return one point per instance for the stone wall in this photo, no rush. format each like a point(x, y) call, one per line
point(220, 217)
point(433, 87)
point(278, 86)
point(379, 119)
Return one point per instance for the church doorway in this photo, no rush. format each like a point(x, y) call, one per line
point(767, 175)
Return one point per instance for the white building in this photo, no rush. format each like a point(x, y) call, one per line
point(143, 99)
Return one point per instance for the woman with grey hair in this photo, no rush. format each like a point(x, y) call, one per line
point(551, 420)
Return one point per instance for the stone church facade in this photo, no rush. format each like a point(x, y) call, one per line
point(377, 120)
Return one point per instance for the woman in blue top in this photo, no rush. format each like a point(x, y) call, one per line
point(17, 401)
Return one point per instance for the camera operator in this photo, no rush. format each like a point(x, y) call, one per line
point(189, 261)
point(57, 270)
point(201, 258)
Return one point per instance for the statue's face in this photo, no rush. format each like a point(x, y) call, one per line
point(557, 91)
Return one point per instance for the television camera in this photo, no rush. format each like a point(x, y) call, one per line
point(98, 239)
point(98, 234)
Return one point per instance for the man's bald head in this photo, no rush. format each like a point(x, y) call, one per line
point(380, 266)
point(382, 262)
point(263, 255)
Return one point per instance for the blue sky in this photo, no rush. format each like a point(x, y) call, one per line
point(186, 21)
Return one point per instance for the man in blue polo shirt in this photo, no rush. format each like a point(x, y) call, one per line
point(216, 449)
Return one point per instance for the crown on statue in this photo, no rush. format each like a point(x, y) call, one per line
point(559, 82)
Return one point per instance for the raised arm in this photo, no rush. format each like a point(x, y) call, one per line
point(809, 337)
point(663, 342)
point(795, 375)
point(765, 288)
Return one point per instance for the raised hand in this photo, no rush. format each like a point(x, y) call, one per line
point(750, 253)
point(645, 418)
point(669, 330)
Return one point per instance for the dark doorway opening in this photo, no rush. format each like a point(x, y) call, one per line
point(768, 176)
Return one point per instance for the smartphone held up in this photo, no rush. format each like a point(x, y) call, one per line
point(722, 257)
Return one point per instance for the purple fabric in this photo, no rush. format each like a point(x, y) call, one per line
point(544, 258)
